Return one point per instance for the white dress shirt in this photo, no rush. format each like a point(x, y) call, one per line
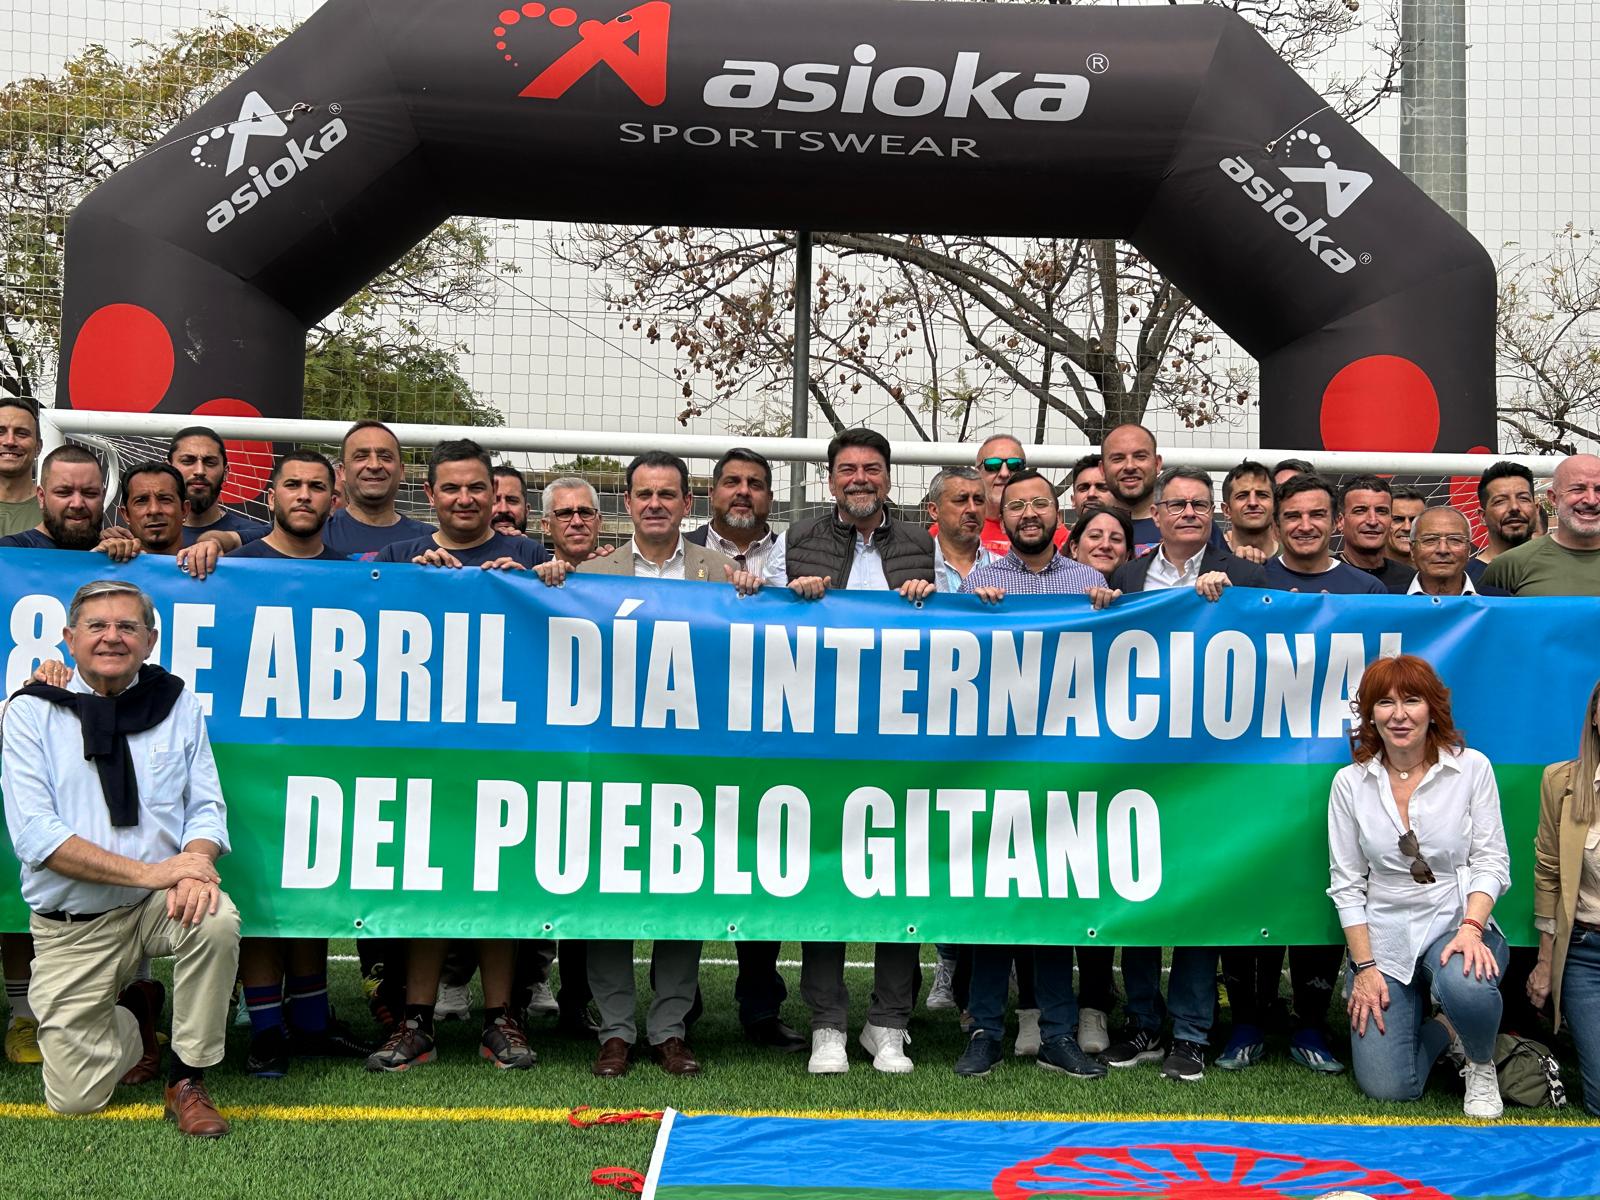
point(645, 569)
point(1455, 813)
point(752, 558)
point(1164, 574)
point(866, 566)
point(52, 792)
point(1466, 586)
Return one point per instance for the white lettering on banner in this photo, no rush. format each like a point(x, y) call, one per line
point(789, 680)
point(189, 657)
point(572, 691)
point(848, 645)
point(867, 863)
point(502, 822)
point(1133, 819)
point(783, 841)
point(805, 141)
point(338, 685)
point(35, 626)
point(1013, 868)
point(1072, 846)
point(960, 805)
point(312, 806)
point(618, 835)
point(368, 831)
point(561, 850)
point(677, 858)
point(728, 877)
point(420, 875)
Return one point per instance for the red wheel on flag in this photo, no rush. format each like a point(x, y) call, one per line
point(1193, 1172)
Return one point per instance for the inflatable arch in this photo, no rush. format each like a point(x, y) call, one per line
point(193, 273)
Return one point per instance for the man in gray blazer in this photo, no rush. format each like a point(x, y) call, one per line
point(657, 499)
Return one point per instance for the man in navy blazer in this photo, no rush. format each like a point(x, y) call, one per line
point(1186, 556)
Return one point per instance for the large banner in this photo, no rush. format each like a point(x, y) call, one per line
point(408, 750)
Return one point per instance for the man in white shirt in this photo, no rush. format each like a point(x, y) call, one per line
point(1441, 545)
point(115, 810)
point(741, 501)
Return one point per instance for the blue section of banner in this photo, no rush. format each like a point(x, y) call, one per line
point(1017, 1158)
point(355, 654)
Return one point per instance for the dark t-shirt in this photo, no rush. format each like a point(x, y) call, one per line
point(356, 539)
point(1475, 570)
point(1341, 580)
point(29, 539)
point(248, 528)
point(1395, 576)
point(527, 551)
point(260, 548)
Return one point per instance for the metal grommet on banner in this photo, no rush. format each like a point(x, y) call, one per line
point(1436, 602)
point(359, 923)
point(1094, 933)
point(548, 927)
point(912, 930)
point(1266, 599)
point(916, 604)
point(1264, 933)
point(377, 574)
point(732, 928)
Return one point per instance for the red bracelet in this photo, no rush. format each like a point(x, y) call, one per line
point(1475, 924)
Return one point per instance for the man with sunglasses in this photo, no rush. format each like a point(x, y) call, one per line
point(1183, 558)
point(999, 458)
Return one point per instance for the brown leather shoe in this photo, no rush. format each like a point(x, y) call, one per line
point(190, 1106)
point(144, 998)
point(675, 1057)
point(613, 1060)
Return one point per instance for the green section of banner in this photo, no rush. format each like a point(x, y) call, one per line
point(509, 844)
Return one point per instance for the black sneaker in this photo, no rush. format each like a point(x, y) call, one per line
point(408, 1046)
point(1186, 1062)
point(1138, 1047)
point(336, 1041)
point(269, 1054)
point(1063, 1054)
point(506, 1045)
point(980, 1056)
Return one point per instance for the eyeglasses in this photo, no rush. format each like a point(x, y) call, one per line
point(1177, 507)
point(97, 627)
point(1455, 541)
point(582, 512)
point(992, 465)
point(1038, 504)
point(1420, 870)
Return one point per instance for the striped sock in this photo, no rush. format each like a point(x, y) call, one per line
point(17, 994)
point(265, 1006)
point(308, 1002)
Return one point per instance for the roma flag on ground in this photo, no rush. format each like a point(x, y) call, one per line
point(778, 1158)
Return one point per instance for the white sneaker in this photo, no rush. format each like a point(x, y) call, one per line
point(454, 1002)
point(940, 995)
point(543, 1000)
point(828, 1055)
point(1093, 1036)
point(887, 1047)
point(1483, 1091)
point(1027, 1033)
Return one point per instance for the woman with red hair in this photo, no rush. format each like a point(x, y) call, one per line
point(1417, 858)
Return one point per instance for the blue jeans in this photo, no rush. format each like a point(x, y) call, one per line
point(1580, 1009)
point(1052, 988)
point(1191, 990)
point(1394, 1065)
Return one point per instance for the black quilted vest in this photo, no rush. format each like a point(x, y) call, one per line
point(825, 546)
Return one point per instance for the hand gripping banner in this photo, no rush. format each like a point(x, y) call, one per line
point(193, 273)
point(415, 751)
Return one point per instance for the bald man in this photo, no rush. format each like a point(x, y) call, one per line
point(1567, 563)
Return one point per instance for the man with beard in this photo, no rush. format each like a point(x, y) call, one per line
point(1247, 502)
point(1131, 464)
point(1366, 517)
point(153, 508)
point(956, 502)
point(1567, 563)
point(857, 546)
point(201, 458)
point(1510, 511)
point(72, 497)
point(741, 501)
point(1032, 564)
point(300, 494)
point(461, 489)
point(371, 470)
point(19, 451)
point(1406, 505)
point(510, 512)
point(1087, 484)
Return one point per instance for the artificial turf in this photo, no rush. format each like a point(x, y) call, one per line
point(304, 1136)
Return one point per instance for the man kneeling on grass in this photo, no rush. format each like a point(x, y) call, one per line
point(114, 808)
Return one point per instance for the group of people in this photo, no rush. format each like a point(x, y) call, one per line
point(115, 809)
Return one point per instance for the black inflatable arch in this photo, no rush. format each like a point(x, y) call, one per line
point(193, 273)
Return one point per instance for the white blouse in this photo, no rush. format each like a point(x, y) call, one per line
point(1455, 812)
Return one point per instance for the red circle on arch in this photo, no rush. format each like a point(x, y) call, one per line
point(1464, 496)
point(249, 462)
point(1381, 402)
point(122, 360)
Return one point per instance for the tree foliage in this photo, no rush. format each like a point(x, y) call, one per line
point(63, 134)
point(946, 328)
point(1548, 344)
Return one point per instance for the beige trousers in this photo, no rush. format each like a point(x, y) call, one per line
point(87, 1040)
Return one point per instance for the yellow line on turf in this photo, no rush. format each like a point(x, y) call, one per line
point(526, 1115)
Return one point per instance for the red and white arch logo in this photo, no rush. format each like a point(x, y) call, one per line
point(633, 44)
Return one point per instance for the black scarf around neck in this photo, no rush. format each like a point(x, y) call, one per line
point(107, 721)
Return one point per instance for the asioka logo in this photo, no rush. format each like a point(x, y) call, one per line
point(258, 119)
point(632, 44)
point(899, 91)
point(1340, 190)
